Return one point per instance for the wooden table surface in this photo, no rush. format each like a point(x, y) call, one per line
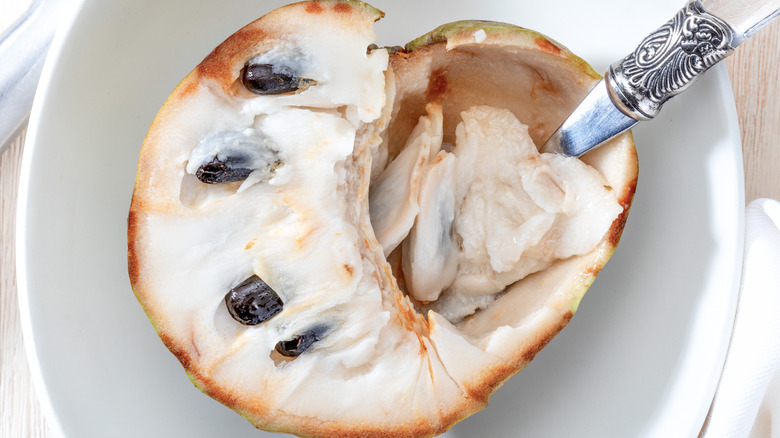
point(755, 77)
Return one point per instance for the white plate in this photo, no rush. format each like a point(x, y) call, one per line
point(641, 358)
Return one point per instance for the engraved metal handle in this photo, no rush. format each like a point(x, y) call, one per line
point(671, 58)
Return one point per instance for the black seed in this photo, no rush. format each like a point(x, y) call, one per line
point(253, 302)
point(219, 171)
point(297, 345)
point(267, 79)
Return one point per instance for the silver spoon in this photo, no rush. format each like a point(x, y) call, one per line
point(664, 64)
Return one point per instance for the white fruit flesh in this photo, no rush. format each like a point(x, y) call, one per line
point(394, 202)
point(495, 210)
point(430, 261)
point(517, 211)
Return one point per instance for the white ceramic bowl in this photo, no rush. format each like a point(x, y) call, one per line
point(641, 358)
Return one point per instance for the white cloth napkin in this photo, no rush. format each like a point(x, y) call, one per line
point(747, 401)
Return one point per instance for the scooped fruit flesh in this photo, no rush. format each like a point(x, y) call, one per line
point(499, 211)
point(270, 172)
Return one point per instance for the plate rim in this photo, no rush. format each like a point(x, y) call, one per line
point(23, 198)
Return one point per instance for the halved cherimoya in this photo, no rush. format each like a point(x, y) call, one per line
point(337, 239)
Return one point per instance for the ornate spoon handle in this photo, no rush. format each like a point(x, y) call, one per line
point(671, 58)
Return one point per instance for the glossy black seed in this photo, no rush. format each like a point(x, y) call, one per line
point(219, 171)
point(297, 345)
point(253, 302)
point(268, 79)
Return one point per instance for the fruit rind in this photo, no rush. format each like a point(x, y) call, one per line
point(469, 32)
